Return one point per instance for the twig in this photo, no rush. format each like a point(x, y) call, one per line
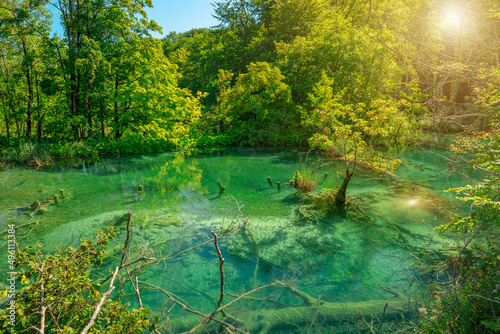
point(136, 288)
point(262, 300)
point(308, 300)
point(101, 302)
point(369, 325)
point(111, 287)
point(488, 299)
point(144, 258)
point(221, 270)
point(207, 319)
point(188, 309)
point(20, 226)
point(129, 215)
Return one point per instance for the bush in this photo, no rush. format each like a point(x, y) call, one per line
point(59, 296)
point(218, 140)
point(470, 308)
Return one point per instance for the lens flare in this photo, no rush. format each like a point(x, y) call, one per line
point(412, 202)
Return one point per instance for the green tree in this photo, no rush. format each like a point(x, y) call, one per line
point(146, 96)
point(258, 109)
point(292, 18)
point(91, 28)
point(23, 24)
point(351, 59)
point(242, 16)
point(350, 131)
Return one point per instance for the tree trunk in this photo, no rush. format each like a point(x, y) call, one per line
point(5, 75)
point(29, 108)
point(117, 118)
point(103, 132)
point(40, 115)
point(7, 128)
point(102, 117)
point(329, 313)
point(312, 310)
point(91, 124)
point(18, 127)
point(340, 196)
point(39, 128)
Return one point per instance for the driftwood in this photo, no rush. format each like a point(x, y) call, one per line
point(315, 310)
point(312, 310)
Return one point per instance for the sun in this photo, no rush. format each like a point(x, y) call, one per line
point(453, 18)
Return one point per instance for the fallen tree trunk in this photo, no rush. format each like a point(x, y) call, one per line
point(321, 312)
point(312, 310)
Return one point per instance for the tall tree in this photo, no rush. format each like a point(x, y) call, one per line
point(350, 131)
point(23, 24)
point(90, 27)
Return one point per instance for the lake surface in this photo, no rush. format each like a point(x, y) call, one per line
point(334, 258)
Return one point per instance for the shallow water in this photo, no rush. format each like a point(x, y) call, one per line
point(332, 257)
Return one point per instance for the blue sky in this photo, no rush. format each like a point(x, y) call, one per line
point(172, 15)
point(182, 15)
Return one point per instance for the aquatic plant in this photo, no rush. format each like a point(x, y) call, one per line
point(31, 153)
point(304, 179)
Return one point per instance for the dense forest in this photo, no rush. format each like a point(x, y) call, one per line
point(356, 79)
point(267, 75)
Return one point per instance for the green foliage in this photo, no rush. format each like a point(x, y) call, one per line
point(349, 58)
point(351, 131)
point(219, 140)
point(481, 196)
point(242, 16)
point(292, 18)
point(258, 109)
point(59, 292)
point(473, 305)
point(130, 143)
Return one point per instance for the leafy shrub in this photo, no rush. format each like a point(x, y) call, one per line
point(217, 140)
point(473, 305)
point(59, 296)
point(72, 149)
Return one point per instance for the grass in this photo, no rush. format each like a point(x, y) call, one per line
point(304, 178)
point(31, 153)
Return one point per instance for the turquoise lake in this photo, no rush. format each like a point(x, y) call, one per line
point(385, 233)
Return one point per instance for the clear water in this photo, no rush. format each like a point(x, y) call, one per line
point(334, 258)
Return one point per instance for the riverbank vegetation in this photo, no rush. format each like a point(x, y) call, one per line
point(273, 73)
point(358, 80)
